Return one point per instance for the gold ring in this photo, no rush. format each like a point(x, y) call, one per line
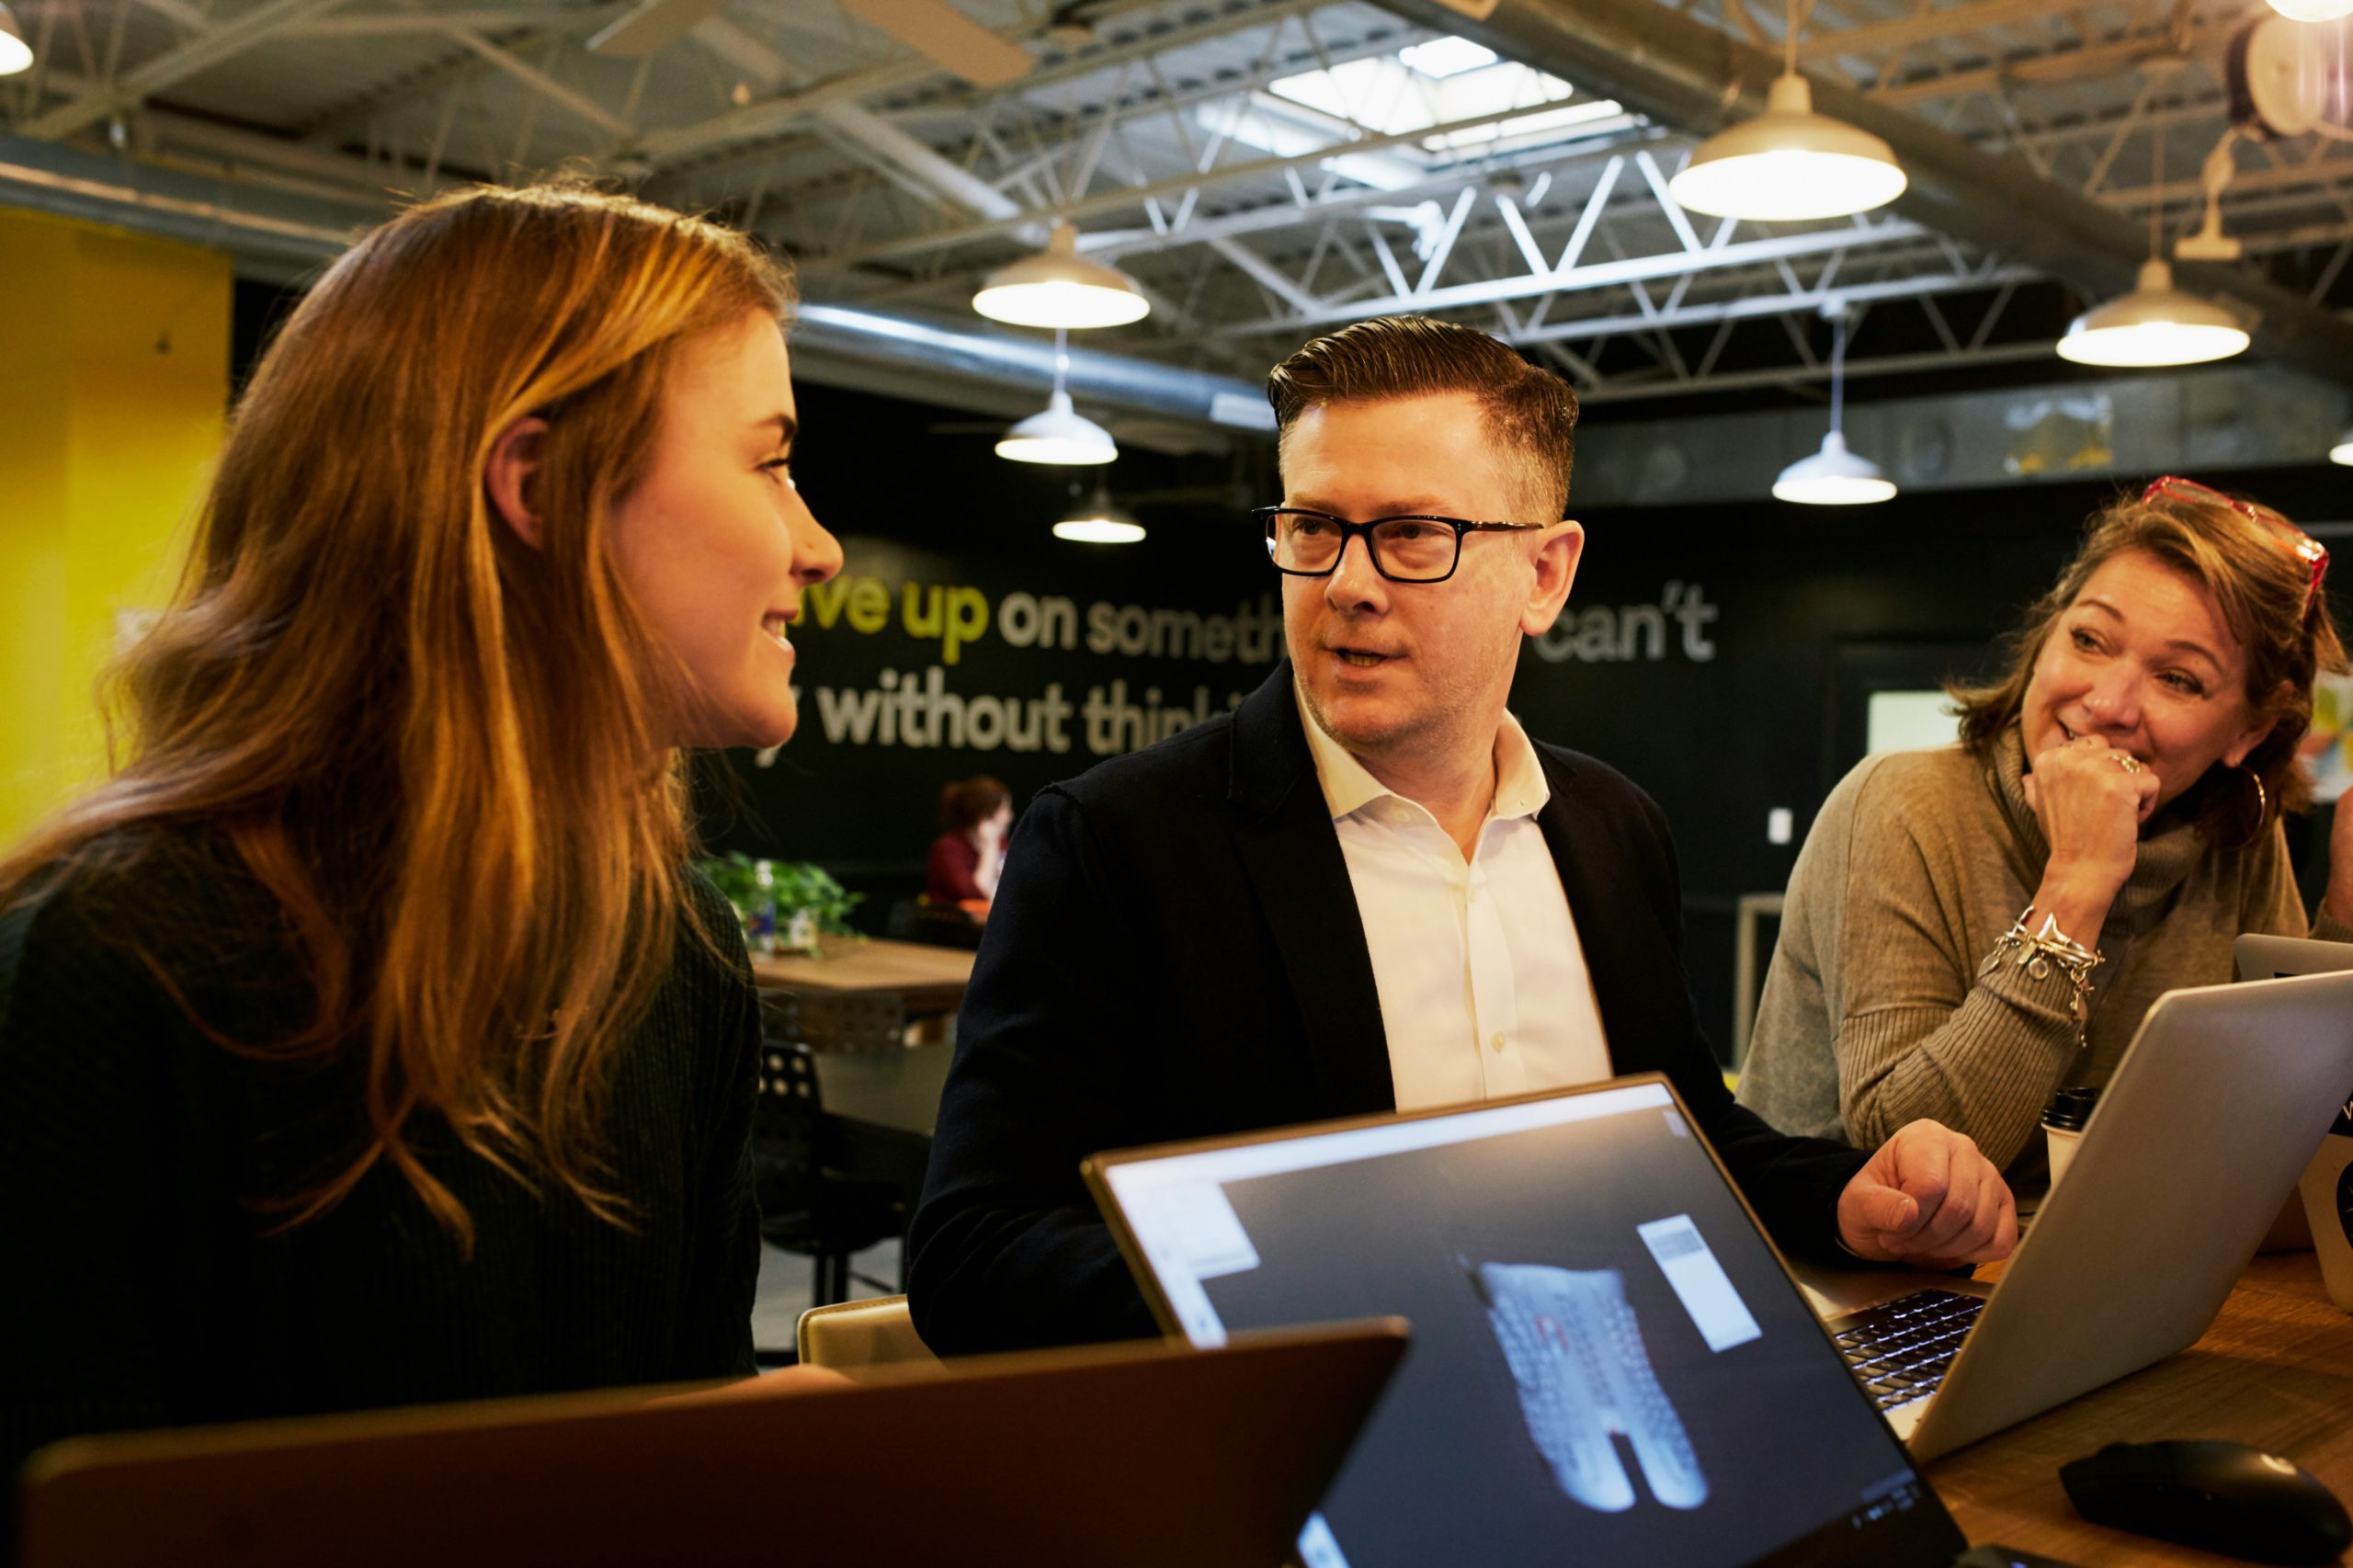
point(2126, 761)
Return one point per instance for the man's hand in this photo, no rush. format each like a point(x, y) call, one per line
point(1930, 1199)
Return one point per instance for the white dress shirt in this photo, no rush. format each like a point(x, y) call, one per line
point(1483, 982)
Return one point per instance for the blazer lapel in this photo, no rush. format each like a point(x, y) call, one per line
point(1631, 970)
point(1293, 859)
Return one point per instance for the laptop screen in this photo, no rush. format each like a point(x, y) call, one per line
point(1608, 1364)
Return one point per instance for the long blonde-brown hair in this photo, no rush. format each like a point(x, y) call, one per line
point(2269, 600)
point(361, 665)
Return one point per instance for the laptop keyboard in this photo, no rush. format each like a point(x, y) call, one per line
point(1899, 1350)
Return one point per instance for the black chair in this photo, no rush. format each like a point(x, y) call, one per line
point(934, 924)
point(856, 1021)
point(806, 1207)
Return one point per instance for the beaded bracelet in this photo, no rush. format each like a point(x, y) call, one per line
point(2042, 952)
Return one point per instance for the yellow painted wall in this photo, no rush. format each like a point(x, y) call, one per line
point(114, 383)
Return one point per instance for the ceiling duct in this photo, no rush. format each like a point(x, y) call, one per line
point(1687, 73)
point(982, 369)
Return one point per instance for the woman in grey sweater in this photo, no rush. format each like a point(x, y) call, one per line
point(1968, 929)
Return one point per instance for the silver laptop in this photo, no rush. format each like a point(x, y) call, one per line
point(2196, 1143)
point(2259, 957)
point(1610, 1363)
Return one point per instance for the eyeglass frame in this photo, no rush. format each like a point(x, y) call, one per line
point(1350, 530)
point(2300, 545)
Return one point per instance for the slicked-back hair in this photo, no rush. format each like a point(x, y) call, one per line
point(1531, 413)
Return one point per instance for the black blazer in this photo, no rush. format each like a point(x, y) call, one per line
point(1175, 952)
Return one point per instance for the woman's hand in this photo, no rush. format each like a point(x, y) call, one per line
point(2091, 800)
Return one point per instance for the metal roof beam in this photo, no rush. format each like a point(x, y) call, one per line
point(1871, 38)
point(872, 137)
point(1177, 185)
point(200, 54)
point(1598, 274)
point(1803, 301)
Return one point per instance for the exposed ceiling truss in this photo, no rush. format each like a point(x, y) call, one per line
point(1175, 134)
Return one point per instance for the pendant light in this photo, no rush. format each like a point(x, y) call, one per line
point(1060, 288)
point(2343, 452)
point(15, 54)
point(1790, 162)
point(2156, 324)
point(1097, 521)
point(2312, 10)
point(1834, 477)
point(1058, 434)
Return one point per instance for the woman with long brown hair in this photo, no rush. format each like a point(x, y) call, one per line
point(365, 1039)
point(1971, 929)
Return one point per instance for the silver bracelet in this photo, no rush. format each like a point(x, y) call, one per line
point(2043, 952)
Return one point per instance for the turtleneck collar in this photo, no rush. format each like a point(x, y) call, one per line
point(2171, 844)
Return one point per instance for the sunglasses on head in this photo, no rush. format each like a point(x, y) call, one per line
point(2300, 545)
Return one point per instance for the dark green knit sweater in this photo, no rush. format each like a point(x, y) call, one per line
point(139, 1288)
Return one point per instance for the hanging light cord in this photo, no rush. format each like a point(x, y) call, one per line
point(1790, 43)
point(2157, 190)
point(1838, 372)
point(1062, 358)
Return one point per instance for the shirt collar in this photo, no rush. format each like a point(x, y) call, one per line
point(1348, 786)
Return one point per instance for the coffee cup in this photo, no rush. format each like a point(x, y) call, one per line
point(2062, 1127)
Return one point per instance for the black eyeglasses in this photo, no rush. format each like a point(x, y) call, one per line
point(1404, 550)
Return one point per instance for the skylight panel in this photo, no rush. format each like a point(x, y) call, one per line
point(1492, 103)
point(1388, 96)
point(1442, 57)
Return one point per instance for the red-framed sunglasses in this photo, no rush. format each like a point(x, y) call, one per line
point(2305, 548)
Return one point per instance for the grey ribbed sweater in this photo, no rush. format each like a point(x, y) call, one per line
point(1875, 1013)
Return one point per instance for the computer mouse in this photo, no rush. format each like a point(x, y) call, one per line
point(2225, 1497)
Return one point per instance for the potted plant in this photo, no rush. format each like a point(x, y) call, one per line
point(784, 905)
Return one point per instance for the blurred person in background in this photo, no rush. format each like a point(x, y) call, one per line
point(975, 816)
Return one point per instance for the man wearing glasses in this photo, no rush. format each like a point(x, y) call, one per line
point(1366, 890)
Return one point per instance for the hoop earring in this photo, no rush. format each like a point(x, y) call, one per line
point(2262, 800)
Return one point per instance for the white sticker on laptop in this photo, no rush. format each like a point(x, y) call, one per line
point(1716, 1309)
point(1199, 1231)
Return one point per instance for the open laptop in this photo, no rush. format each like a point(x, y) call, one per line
point(2321, 1217)
point(2200, 1135)
point(2196, 1144)
point(2259, 957)
point(1610, 1363)
point(1153, 1453)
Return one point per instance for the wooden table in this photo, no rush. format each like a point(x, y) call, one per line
point(2276, 1371)
point(930, 980)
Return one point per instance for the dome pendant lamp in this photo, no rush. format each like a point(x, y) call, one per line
point(1058, 434)
point(1097, 521)
point(1834, 477)
point(2343, 452)
point(1059, 288)
point(2156, 324)
point(1790, 163)
point(15, 54)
